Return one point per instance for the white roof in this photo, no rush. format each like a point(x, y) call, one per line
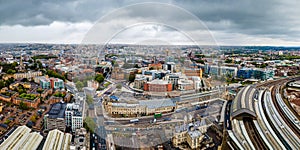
point(159, 82)
point(57, 140)
point(21, 138)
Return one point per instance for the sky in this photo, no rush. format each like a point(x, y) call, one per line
point(205, 22)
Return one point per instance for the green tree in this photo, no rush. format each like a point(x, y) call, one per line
point(11, 71)
point(2, 84)
point(79, 85)
point(23, 106)
point(89, 99)
point(131, 77)
point(14, 64)
point(228, 61)
point(136, 66)
point(99, 78)
point(89, 124)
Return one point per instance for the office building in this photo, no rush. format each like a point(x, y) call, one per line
point(44, 83)
point(73, 116)
point(56, 83)
point(55, 118)
point(158, 86)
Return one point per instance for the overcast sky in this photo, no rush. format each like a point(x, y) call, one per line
point(230, 22)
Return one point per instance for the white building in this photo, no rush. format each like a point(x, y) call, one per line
point(197, 82)
point(73, 116)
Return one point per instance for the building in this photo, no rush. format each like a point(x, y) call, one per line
point(93, 84)
point(156, 66)
point(44, 83)
point(144, 107)
point(73, 116)
point(173, 78)
point(155, 74)
point(139, 81)
point(245, 73)
point(27, 75)
point(189, 133)
point(194, 139)
point(22, 138)
point(30, 103)
point(185, 85)
point(56, 83)
point(55, 118)
point(117, 74)
point(261, 74)
point(197, 82)
point(242, 106)
point(225, 70)
point(80, 139)
point(57, 140)
point(193, 72)
point(158, 86)
point(16, 84)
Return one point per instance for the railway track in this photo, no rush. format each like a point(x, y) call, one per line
point(281, 113)
point(254, 135)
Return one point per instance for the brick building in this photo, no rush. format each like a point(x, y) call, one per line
point(158, 86)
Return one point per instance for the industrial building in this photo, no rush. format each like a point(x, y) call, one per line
point(22, 138)
point(57, 140)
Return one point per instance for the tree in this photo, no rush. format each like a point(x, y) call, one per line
point(89, 99)
point(33, 118)
point(24, 80)
point(119, 86)
point(14, 64)
point(2, 84)
point(228, 61)
point(136, 66)
point(23, 106)
point(200, 61)
point(11, 71)
point(99, 78)
point(79, 85)
point(89, 124)
point(131, 77)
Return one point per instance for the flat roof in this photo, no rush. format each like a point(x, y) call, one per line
point(57, 110)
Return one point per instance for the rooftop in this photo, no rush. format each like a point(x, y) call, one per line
point(159, 82)
point(57, 140)
point(243, 102)
point(194, 134)
point(152, 104)
point(21, 138)
point(57, 110)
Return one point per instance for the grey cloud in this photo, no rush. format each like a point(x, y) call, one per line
point(268, 18)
